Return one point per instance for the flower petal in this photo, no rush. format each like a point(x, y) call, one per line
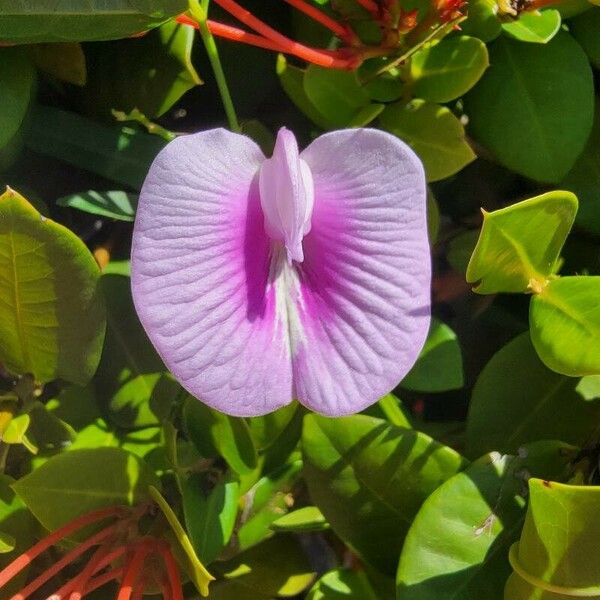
point(200, 274)
point(364, 298)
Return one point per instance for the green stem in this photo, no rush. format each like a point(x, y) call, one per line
point(199, 13)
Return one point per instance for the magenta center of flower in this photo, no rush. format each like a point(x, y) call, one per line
point(287, 195)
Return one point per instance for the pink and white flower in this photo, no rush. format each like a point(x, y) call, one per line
point(304, 276)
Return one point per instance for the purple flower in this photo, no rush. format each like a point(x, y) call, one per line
point(304, 276)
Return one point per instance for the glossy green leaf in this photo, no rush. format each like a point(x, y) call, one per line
point(266, 502)
point(47, 432)
point(292, 81)
point(517, 400)
point(543, 90)
point(17, 77)
point(519, 245)
point(457, 546)
point(439, 366)
point(392, 410)
point(433, 132)
point(209, 518)
point(150, 73)
point(460, 249)
point(32, 21)
point(482, 20)
point(336, 94)
point(268, 428)
point(537, 27)
point(448, 69)
point(195, 569)
point(63, 61)
point(131, 383)
point(585, 28)
point(342, 584)
point(584, 179)
point(52, 315)
point(369, 479)
point(276, 567)
point(114, 204)
point(565, 325)
point(217, 434)
point(121, 154)
point(308, 518)
point(76, 405)
point(77, 482)
point(557, 556)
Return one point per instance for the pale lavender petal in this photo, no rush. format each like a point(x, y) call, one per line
point(200, 274)
point(363, 307)
point(287, 195)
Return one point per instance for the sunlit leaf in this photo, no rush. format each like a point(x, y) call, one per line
point(308, 518)
point(115, 204)
point(534, 26)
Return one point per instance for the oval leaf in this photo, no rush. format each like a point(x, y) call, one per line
point(546, 91)
point(457, 546)
point(519, 245)
point(565, 325)
point(342, 584)
point(518, 400)
point(309, 518)
point(33, 21)
point(52, 315)
point(80, 481)
point(433, 132)
point(369, 479)
point(115, 204)
point(558, 550)
point(534, 26)
point(444, 71)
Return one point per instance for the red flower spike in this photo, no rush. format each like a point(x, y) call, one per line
point(172, 573)
point(103, 579)
point(343, 32)
point(132, 571)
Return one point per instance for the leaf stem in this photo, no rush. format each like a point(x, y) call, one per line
point(198, 12)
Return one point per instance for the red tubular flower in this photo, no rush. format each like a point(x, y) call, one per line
point(119, 556)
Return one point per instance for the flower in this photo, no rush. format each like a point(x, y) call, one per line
point(120, 554)
point(304, 276)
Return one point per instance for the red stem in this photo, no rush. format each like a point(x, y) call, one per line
point(369, 5)
point(287, 45)
point(64, 561)
point(27, 557)
point(103, 579)
point(314, 13)
point(132, 572)
point(80, 582)
point(172, 572)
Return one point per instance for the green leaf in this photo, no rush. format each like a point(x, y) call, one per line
point(519, 245)
point(75, 405)
point(52, 315)
point(276, 567)
point(121, 154)
point(150, 73)
point(585, 30)
point(308, 518)
point(433, 132)
point(7, 543)
point(217, 434)
point(17, 77)
point(74, 483)
point(131, 383)
point(369, 479)
point(565, 325)
point(584, 179)
point(439, 366)
point(33, 21)
point(517, 400)
point(16, 429)
point(267, 501)
point(544, 90)
point(336, 94)
point(537, 27)
point(448, 69)
point(195, 569)
point(63, 61)
point(209, 519)
point(557, 556)
point(267, 429)
point(115, 204)
point(460, 249)
point(292, 81)
point(482, 20)
point(457, 546)
point(47, 432)
point(342, 584)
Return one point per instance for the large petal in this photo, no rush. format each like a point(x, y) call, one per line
point(200, 274)
point(364, 300)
